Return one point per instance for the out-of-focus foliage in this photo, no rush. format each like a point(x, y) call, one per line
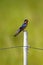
point(12, 15)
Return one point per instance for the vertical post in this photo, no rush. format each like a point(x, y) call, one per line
point(25, 48)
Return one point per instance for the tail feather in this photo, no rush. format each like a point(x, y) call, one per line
point(17, 32)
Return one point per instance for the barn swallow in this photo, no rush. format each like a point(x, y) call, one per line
point(24, 25)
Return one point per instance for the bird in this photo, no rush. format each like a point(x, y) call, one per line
point(24, 25)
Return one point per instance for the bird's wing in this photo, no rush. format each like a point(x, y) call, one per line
point(17, 32)
point(20, 29)
point(23, 26)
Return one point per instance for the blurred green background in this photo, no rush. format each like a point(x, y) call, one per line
point(12, 15)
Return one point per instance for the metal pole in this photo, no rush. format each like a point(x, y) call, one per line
point(25, 48)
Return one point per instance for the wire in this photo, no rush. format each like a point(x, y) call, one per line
point(36, 48)
point(9, 47)
point(12, 47)
point(21, 47)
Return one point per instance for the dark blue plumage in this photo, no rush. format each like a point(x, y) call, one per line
point(22, 27)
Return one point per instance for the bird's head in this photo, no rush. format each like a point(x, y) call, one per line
point(26, 21)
